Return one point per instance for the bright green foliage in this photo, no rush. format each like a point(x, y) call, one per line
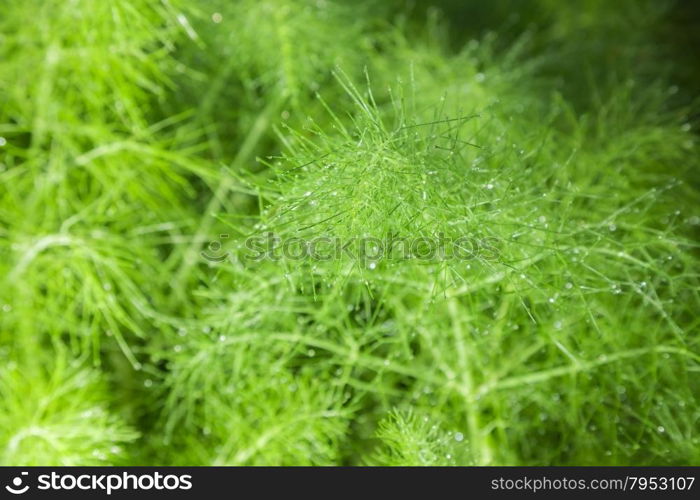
point(146, 144)
point(57, 411)
point(411, 441)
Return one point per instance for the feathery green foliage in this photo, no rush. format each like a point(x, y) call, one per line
point(150, 149)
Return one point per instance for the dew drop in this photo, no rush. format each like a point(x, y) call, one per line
point(459, 437)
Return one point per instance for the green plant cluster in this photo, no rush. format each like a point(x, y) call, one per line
point(143, 142)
